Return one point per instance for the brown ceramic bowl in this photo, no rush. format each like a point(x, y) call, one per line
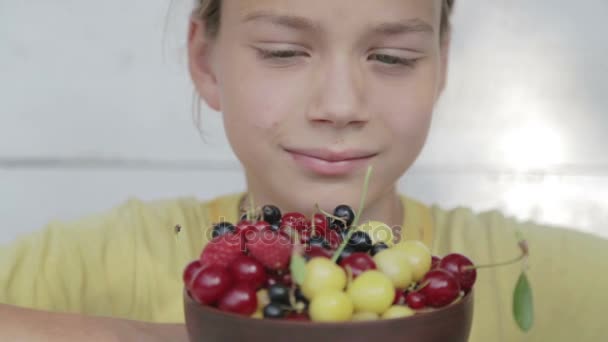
point(449, 324)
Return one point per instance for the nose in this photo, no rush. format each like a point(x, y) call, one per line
point(340, 95)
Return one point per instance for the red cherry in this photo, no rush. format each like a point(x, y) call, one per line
point(441, 288)
point(415, 300)
point(318, 251)
point(399, 297)
point(246, 269)
point(262, 225)
point(435, 262)
point(457, 265)
point(295, 220)
point(243, 225)
point(358, 262)
point(241, 299)
point(321, 224)
point(305, 236)
point(190, 271)
point(333, 238)
point(284, 279)
point(210, 284)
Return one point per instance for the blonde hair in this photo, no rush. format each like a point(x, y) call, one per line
point(210, 12)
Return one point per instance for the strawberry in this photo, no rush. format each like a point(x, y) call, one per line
point(222, 250)
point(272, 249)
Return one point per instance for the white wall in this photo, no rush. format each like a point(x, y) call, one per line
point(95, 107)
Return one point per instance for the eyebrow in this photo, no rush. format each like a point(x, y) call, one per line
point(289, 21)
point(305, 24)
point(405, 27)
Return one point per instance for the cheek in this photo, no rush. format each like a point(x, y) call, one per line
point(406, 111)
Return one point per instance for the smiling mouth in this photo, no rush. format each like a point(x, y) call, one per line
point(330, 163)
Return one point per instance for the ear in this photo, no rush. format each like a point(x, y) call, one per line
point(444, 61)
point(200, 63)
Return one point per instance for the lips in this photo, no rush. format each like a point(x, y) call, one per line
point(332, 156)
point(330, 163)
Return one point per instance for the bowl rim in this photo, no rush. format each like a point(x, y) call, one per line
point(466, 300)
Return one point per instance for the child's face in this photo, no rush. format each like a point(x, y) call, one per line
point(304, 83)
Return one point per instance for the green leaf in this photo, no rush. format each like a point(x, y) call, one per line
point(523, 307)
point(298, 268)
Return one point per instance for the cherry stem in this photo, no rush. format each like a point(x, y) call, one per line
point(368, 175)
point(330, 215)
point(504, 263)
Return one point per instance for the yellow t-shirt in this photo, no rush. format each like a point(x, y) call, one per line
point(128, 263)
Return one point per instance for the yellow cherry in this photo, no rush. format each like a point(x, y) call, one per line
point(396, 266)
point(322, 274)
point(398, 311)
point(418, 255)
point(372, 291)
point(331, 306)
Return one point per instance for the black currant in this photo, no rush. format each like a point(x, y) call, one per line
point(360, 241)
point(223, 228)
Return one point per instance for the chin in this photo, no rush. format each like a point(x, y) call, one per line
point(326, 195)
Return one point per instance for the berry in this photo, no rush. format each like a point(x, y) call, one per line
point(360, 241)
point(316, 251)
point(263, 298)
point(241, 299)
point(190, 271)
point(348, 250)
point(346, 213)
point(377, 231)
point(210, 284)
point(358, 263)
point(400, 298)
point(379, 247)
point(318, 241)
point(331, 306)
point(299, 296)
point(305, 236)
point(321, 224)
point(392, 263)
point(415, 300)
point(398, 311)
point(435, 262)
point(322, 274)
point(262, 225)
point(457, 265)
point(418, 255)
point(295, 220)
point(242, 225)
point(441, 288)
point(274, 311)
point(223, 228)
point(286, 279)
point(270, 248)
point(246, 269)
point(333, 238)
point(279, 294)
point(222, 250)
point(372, 291)
point(271, 214)
point(258, 314)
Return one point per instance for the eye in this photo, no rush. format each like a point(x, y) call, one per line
point(392, 60)
point(280, 54)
